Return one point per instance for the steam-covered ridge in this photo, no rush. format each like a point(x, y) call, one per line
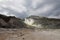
point(42, 22)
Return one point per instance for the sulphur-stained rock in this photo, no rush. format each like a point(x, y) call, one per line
point(42, 22)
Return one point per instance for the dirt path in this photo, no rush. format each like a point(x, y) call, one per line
point(27, 34)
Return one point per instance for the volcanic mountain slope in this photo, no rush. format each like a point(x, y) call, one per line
point(42, 22)
point(11, 22)
point(30, 22)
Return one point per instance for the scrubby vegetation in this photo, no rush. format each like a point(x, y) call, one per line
point(50, 23)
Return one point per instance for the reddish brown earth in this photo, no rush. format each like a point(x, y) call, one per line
point(29, 34)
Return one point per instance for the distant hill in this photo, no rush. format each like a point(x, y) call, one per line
point(42, 22)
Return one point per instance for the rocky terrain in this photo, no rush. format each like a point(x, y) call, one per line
point(11, 22)
point(28, 34)
point(12, 28)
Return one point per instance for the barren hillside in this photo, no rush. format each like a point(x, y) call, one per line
point(12, 28)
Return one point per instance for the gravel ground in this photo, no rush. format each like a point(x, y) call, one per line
point(29, 34)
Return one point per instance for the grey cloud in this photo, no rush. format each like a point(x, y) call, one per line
point(56, 4)
point(13, 12)
point(48, 8)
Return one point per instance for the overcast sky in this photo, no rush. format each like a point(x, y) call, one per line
point(24, 8)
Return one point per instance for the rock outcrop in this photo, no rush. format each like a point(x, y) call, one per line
point(11, 22)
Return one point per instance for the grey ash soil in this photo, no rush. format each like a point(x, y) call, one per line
point(29, 34)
